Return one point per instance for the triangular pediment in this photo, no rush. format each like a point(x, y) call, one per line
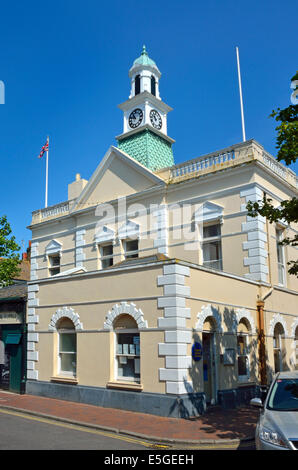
point(118, 175)
point(104, 234)
point(129, 229)
point(53, 247)
point(208, 211)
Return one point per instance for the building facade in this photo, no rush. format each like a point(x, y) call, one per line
point(151, 288)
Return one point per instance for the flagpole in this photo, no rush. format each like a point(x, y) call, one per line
point(240, 92)
point(47, 164)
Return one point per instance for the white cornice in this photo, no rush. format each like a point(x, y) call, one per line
point(143, 128)
point(140, 98)
point(150, 264)
point(158, 189)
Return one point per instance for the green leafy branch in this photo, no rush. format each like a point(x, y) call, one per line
point(9, 258)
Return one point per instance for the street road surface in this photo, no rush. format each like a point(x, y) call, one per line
point(21, 431)
point(24, 432)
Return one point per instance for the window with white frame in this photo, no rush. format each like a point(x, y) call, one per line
point(280, 257)
point(54, 264)
point(211, 246)
point(67, 348)
point(131, 248)
point(106, 255)
point(127, 355)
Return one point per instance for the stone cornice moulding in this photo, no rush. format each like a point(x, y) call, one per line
point(156, 264)
point(69, 272)
point(140, 98)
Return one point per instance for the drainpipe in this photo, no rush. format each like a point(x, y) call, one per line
point(261, 337)
point(261, 322)
point(261, 343)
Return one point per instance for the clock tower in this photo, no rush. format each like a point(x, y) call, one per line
point(145, 117)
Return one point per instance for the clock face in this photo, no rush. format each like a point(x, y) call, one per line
point(155, 119)
point(135, 118)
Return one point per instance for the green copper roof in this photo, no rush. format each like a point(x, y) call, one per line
point(144, 59)
point(149, 149)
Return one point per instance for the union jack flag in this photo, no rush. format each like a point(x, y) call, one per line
point(44, 149)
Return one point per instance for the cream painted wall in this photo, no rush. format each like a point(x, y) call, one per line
point(233, 255)
point(104, 287)
point(209, 186)
point(225, 295)
point(281, 301)
point(93, 358)
point(93, 344)
point(47, 353)
point(119, 179)
point(273, 185)
point(211, 286)
point(151, 362)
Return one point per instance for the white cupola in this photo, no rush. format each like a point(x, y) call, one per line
point(144, 134)
point(144, 75)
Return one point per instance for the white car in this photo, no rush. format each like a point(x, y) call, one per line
point(277, 428)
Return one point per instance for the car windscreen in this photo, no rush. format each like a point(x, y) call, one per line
point(284, 395)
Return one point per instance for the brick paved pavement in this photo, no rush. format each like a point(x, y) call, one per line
point(217, 424)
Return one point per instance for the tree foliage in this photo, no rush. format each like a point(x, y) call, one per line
point(287, 132)
point(287, 145)
point(9, 258)
point(286, 213)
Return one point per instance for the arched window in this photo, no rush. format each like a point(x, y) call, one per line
point(137, 85)
point(209, 354)
point(153, 85)
point(278, 347)
point(127, 349)
point(243, 331)
point(67, 347)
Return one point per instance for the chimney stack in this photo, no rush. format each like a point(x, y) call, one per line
point(75, 188)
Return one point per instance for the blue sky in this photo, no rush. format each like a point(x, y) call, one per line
point(65, 67)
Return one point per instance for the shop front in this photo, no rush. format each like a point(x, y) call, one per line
point(13, 338)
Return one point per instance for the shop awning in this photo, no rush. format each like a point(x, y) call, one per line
point(13, 338)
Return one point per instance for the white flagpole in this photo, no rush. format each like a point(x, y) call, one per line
point(240, 92)
point(47, 163)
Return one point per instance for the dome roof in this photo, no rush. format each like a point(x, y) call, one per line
point(144, 61)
